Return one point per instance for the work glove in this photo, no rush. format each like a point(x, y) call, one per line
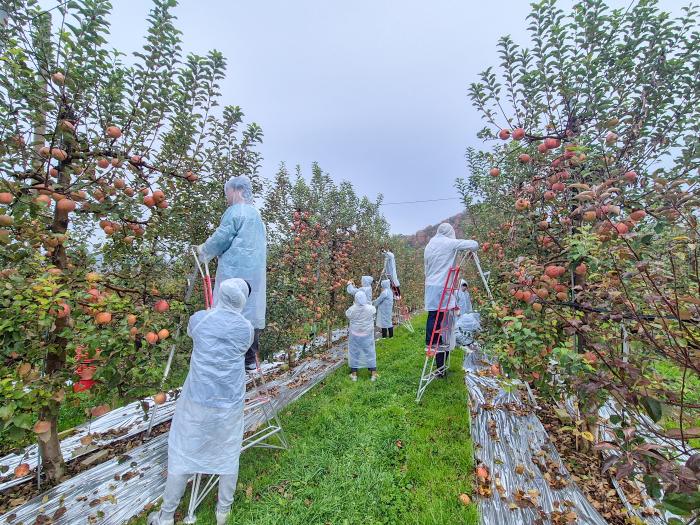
point(202, 254)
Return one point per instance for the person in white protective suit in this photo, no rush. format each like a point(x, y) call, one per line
point(207, 428)
point(439, 256)
point(464, 300)
point(366, 287)
point(390, 269)
point(240, 244)
point(384, 303)
point(361, 351)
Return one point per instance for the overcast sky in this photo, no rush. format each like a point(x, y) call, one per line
point(374, 90)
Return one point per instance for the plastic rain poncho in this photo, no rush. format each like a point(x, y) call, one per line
point(439, 256)
point(470, 322)
point(207, 428)
point(361, 353)
point(240, 244)
point(390, 268)
point(384, 304)
point(464, 300)
point(467, 326)
point(366, 287)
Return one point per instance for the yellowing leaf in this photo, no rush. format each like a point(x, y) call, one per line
point(587, 436)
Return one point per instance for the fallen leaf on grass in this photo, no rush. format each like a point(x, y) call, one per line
point(464, 499)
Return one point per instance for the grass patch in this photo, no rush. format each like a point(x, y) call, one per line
point(672, 376)
point(365, 452)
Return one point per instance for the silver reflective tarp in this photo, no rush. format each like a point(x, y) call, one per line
point(124, 423)
point(119, 489)
point(512, 443)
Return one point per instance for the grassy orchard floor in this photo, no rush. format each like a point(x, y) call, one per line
point(365, 452)
point(673, 374)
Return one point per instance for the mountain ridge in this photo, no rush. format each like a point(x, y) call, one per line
point(421, 237)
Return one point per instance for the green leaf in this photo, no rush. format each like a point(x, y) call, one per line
point(653, 486)
point(6, 411)
point(652, 407)
point(23, 421)
point(682, 504)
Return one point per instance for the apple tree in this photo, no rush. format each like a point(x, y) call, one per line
point(587, 203)
point(107, 174)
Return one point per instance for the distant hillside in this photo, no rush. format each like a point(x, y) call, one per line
point(421, 237)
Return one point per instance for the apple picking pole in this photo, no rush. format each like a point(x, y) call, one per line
point(207, 287)
point(481, 273)
point(206, 280)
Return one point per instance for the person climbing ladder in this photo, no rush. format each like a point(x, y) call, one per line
point(439, 256)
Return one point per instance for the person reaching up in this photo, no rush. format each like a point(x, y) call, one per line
point(384, 303)
point(207, 428)
point(240, 244)
point(439, 256)
point(366, 287)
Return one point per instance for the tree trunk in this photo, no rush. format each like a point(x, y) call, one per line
point(589, 411)
point(50, 449)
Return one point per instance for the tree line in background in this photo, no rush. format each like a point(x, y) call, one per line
point(110, 170)
point(587, 209)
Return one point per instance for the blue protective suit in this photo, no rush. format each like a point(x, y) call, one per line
point(366, 287)
point(384, 304)
point(207, 428)
point(361, 352)
point(439, 256)
point(241, 246)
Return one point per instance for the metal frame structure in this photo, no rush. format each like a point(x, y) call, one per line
point(271, 428)
point(269, 434)
point(442, 338)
